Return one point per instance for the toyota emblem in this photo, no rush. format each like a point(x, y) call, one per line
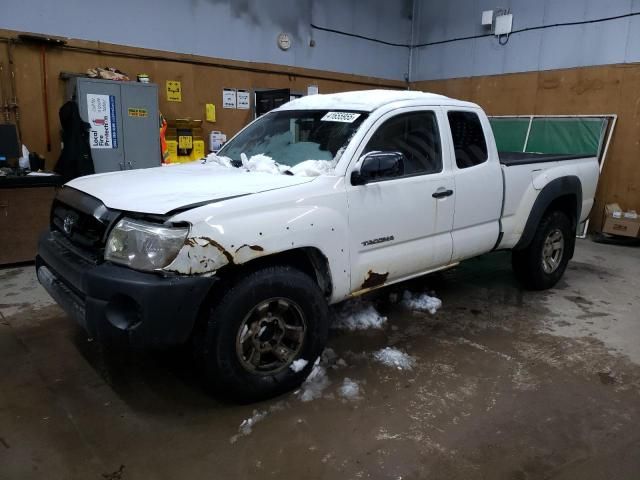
point(69, 222)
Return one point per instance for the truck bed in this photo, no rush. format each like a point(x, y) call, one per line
point(509, 159)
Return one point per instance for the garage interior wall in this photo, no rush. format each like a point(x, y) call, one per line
point(234, 29)
point(208, 45)
point(578, 69)
point(564, 70)
point(202, 78)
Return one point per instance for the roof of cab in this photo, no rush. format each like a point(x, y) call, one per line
point(367, 100)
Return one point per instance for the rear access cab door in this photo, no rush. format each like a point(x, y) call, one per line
point(478, 182)
point(400, 226)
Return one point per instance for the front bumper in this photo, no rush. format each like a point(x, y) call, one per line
point(111, 301)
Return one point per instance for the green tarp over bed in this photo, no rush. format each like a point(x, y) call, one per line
point(560, 135)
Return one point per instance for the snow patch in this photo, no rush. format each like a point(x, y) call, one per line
point(298, 365)
point(350, 389)
point(313, 168)
point(262, 163)
point(328, 357)
point(216, 160)
point(357, 315)
point(246, 427)
point(392, 357)
point(266, 164)
point(314, 385)
point(421, 302)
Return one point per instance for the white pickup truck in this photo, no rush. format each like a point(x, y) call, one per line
point(320, 200)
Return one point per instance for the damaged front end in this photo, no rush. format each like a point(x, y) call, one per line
point(203, 255)
point(143, 245)
point(200, 255)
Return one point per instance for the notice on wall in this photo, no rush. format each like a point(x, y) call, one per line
point(228, 98)
point(185, 142)
point(210, 112)
point(174, 91)
point(243, 101)
point(138, 112)
point(101, 113)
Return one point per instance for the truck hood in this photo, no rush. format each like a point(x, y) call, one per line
point(163, 189)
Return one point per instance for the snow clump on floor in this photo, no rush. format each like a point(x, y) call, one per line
point(357, 315)
point(315, 384)
point(392, 357)
point(421, 302)
point(298, 365)
point(246, 427)
point(350, 389)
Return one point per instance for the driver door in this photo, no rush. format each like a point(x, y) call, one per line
point(400, 221)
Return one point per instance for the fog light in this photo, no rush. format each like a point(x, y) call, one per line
point(123, 312)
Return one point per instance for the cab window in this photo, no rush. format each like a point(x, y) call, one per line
point(469, 144)
point(416, 136)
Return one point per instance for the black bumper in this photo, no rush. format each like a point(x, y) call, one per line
point(113, 302)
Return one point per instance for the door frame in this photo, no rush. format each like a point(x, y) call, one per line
point(447, 173)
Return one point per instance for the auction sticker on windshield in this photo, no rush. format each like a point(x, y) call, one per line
point(344, 117)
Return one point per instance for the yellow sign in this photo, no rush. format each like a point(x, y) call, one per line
point(174, 91)
point(210, 110)
point(185, 142)
point(138, 112)
point(198, 150)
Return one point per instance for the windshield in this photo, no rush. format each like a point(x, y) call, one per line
point(292, 137)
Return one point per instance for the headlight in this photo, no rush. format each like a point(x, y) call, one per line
point(142, 245)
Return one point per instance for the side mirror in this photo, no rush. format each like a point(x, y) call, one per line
point(377, 166)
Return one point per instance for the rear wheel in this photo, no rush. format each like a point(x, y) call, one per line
point(541, 264)
point(261, 325)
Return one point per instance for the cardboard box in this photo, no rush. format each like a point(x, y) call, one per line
point(615, 222)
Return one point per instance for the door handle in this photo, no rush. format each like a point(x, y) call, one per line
point(442, 193)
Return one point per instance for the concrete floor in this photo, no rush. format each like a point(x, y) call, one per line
point(507, 384)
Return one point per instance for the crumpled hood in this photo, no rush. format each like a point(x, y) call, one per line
point(163, 189)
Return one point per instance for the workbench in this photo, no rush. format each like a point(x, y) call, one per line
point(25, 202)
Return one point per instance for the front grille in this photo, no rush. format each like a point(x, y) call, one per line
point(80, 223)
point(80, 228)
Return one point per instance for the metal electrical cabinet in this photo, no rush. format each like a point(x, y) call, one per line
point(124, 122)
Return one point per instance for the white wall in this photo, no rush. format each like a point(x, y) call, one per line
point(233, 29)
point(247, 30)
point(616, 41)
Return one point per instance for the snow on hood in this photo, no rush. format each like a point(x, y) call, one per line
point(160, 190)
point(266, 164)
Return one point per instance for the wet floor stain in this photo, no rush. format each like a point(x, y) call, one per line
point(492, 394)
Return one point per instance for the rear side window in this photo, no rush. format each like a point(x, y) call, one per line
point(468, 139)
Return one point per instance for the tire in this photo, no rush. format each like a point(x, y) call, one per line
point(294, 324)
point(539, 266)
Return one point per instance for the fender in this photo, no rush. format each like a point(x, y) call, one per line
point(238, 231)
point(560, 187)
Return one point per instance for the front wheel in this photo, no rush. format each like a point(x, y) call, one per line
point(262, 324)
point(540, 265)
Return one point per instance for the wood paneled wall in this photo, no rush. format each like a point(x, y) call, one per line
point(589, 90)
point(202, 80)
point(579, 91)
